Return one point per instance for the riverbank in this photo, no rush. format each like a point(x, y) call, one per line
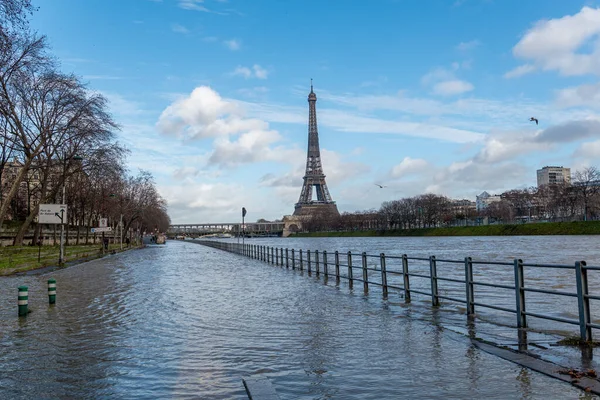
point(19, 259)
point(543, 228)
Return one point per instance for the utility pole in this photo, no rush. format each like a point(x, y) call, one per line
point(61, 256)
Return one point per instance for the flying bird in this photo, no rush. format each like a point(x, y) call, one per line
point(380, 186)
point(534, 119)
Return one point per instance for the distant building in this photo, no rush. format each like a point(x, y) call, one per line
point(552, 175)
point(464, 206)
point(484, 200)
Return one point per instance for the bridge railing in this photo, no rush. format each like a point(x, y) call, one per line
point(501, 286)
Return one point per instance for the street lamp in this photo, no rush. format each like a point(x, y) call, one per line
point(61, 255)
point(243, 226)
point(120, 223)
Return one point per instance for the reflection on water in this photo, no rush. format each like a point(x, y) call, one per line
point(187, 321)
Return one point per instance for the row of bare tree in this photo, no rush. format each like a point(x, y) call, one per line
point(58, 140)
point(558, 202)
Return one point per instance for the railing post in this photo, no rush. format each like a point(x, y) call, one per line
point(301, 261)
point(435, 300)
point(469, 286)
point(276, 256)
point(364, 272)
point(308, 261)
point(287, 258)
point(520, 294)
point(325, 263)
point(583, 301)
point(350, 282)
point(384, 286)
point(337, 266)
point(293, 259)
point(272, 255)
point(406, 278)
point(317, 268)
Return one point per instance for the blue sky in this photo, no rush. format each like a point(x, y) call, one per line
point(418, 95)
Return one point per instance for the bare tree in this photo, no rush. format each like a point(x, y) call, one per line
point(586, 184)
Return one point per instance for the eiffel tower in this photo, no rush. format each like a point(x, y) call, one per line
point(314, 176)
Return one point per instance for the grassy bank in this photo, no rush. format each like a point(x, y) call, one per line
point(15, 259)
point(545, 228)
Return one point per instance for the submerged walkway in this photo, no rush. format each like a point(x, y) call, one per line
point(188, 321)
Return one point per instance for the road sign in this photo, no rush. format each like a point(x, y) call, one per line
point(52, 214)
point(103, 223)
point(104, 229)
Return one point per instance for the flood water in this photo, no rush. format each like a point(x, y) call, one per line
point(188, 321)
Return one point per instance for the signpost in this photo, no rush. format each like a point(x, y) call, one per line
point(52, 213)
point(101, 229)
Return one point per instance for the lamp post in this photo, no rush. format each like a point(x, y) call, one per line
point(61, 255)
point(243, 226)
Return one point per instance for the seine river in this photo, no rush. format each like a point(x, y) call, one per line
point(188, 321)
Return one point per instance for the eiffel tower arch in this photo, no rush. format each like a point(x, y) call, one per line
point(314, 178)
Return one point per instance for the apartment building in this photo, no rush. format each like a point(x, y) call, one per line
point(553, 175)
point(484, 200)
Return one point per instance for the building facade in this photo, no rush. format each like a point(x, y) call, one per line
point(484, 200)
point(553, 175)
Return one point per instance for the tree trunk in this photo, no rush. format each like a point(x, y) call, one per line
point(18, 240)
point(14, 188)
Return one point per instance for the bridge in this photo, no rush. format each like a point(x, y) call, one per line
point(235, 229)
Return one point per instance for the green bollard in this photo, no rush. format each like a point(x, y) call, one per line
point(23, 300)
point(52, 291)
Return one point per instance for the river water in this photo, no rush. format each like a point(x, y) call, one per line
point(188, 321)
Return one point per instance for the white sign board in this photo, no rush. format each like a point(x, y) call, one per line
point(103, 223)
point(52, 214)
point(105, 229)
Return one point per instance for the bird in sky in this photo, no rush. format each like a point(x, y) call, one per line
point(534, 119)
point(380, 186)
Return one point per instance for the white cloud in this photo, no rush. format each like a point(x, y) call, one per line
point(589, 151)
point(242, 71)
point(443, 82)
point(250, 147)
point(205, 114)
point(579, 96)
point(451, 88)
point(253, 92)
point(255, 72)
point(346, 121)
point(555, 44)
point(466, 46)
point(196, 5)
point(409, 166)
point(519, 71)
point(233, 44)
point(260, 72)
point(177, 28)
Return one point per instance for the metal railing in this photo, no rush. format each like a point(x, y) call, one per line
point(393, 273)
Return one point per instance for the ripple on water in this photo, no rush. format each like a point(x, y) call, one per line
point(186, 321)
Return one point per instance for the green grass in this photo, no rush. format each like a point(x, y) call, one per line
point(544, 228)
point(24, 258)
